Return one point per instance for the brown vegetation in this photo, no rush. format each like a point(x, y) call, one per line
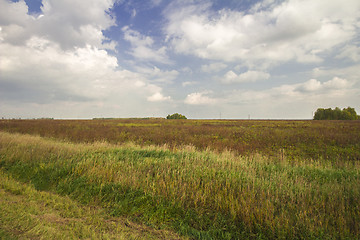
point(310, 139)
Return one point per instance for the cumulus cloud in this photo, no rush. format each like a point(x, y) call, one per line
point(42, 64)
point(349, 72)
point(59, 58)
point(142, 47)
point(313, 87)
point(265, 36)
point(304, 91)
point(249, 76)
point(337, 83)
point(309, 86)
point(62, 22)
point(200, 98)
point(158, 97)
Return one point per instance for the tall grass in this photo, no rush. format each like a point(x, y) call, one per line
point(200, 194)
point(26, 213)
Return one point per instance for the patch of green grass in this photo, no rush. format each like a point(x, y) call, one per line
point(27, 213)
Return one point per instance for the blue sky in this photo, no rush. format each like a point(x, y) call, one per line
point(269, 59)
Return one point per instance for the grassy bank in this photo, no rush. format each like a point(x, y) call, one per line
point(26, 213)
point(201, 195)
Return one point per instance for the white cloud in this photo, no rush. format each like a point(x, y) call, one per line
point(314, 87)
point(249, 76)
point(157, 75)
point(187, 70)
point(142, 47)
point(345, 75)
point(57, 64)
point(200, 98)
point(13, 13)
point(62, 22)
point(43, 64)
point(42, 72)
point(337, 83)
point(213, 67)
point(188, 83)
point(300, 92)
point(158, 97)
point(351, 52)
point(277, 34)
point(310, 86)
point(293, 100)
point(47, 70)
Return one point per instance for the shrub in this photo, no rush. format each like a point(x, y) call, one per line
point(176, 116)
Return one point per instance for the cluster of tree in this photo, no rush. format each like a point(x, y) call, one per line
point(176, 116)
point(336, 114)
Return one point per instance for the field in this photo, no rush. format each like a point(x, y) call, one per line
point(329, 140)
point(171, 179)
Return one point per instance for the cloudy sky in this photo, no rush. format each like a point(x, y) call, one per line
point(270, 59)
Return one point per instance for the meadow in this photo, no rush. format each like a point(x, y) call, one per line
point(329, 140)
point(197, 179)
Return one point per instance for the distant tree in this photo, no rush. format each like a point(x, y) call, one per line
point(349, 114)
point(319, 114)
point(176, 116)
point(336, 114)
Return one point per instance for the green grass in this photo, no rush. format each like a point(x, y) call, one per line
point(27, 213)
point(30, 214)
point(199, 194)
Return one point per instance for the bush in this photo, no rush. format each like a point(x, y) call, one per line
point(176, 116)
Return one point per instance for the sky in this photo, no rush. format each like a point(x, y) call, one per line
point(229, 59)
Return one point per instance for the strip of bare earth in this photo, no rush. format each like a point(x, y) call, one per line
point(81, 188)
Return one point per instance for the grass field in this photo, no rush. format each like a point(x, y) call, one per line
point(208, 179)
point(331, 140)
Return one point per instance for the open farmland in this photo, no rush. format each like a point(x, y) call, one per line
point(202, 179)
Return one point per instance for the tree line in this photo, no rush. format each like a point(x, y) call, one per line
point(336, 114)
